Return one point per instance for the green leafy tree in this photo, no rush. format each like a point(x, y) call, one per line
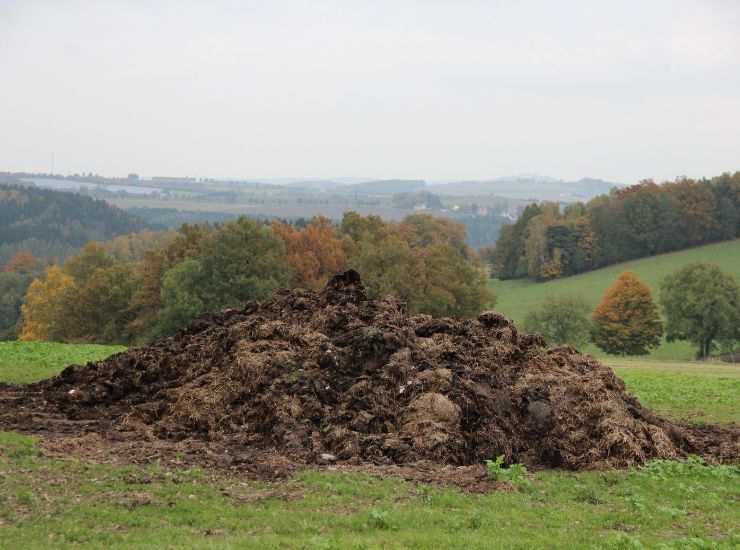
point(561, 320)
point(701, 305)
point(180, 300)
point(244, 261)
point(627, 321)
point(189, 242)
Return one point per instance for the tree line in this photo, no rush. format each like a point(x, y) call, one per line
point(143, 287)
point(548, 242)
point(700, 304)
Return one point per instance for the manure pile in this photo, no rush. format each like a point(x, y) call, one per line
point(335, 377)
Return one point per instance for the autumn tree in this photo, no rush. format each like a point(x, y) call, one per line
point(42, 311)
point(423, 230)
point(134, 246)
point(422, 260)
point(627, 321)
point(561, 320)
point(697, 209)
point(314, 252)
point(98, 308)
point(701, 305)
point(22, 262)
point(82, 266)
point(450, 284)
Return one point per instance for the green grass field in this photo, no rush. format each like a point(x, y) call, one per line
point(54, 503)
point(519, 297)
point(24, 362)
point(694, 392)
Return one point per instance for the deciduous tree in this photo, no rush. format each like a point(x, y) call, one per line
point(561, 320)
point(701, 305)
point(244, 261)
point(180, 300)
point(314, 252)
point(42, 311)
point(627, 321)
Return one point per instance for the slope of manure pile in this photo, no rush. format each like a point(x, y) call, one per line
point(333, 376)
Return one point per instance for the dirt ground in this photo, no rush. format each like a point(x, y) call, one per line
point(338, 381)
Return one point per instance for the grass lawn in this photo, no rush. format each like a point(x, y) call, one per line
point(24, 362)
point(696, 392)
point(47, 502)
point(517, 298)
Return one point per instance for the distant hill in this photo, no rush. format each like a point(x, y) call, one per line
point(518, 297)
point(54, 224)
point(529, 187)
point(316, 185)
point(385, 187)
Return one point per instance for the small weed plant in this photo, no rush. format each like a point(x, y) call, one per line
point(516, 474)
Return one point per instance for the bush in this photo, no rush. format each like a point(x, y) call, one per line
point(561, 320)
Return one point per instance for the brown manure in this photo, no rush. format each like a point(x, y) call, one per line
point(334, 377)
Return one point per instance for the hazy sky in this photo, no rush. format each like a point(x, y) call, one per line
point(438, 89)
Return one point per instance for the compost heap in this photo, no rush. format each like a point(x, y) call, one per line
point(336, 376)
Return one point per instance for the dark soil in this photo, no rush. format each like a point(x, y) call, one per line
point(338, 380)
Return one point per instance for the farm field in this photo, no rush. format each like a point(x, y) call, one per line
point(47, 501)
point(516, 298)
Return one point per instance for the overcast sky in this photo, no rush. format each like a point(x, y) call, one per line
point(437, 89)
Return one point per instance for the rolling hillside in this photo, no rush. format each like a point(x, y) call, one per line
point(516, 298)
point(54, 224)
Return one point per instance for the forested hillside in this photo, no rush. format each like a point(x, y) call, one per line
point(53, 225)
point(548, 242)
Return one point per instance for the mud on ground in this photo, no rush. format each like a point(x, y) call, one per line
point(338, 380)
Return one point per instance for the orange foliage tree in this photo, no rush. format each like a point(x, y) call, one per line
point(315, 253)
point(627, 321)
point(22, 262)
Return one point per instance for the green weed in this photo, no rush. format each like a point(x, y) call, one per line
point(516, 474)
